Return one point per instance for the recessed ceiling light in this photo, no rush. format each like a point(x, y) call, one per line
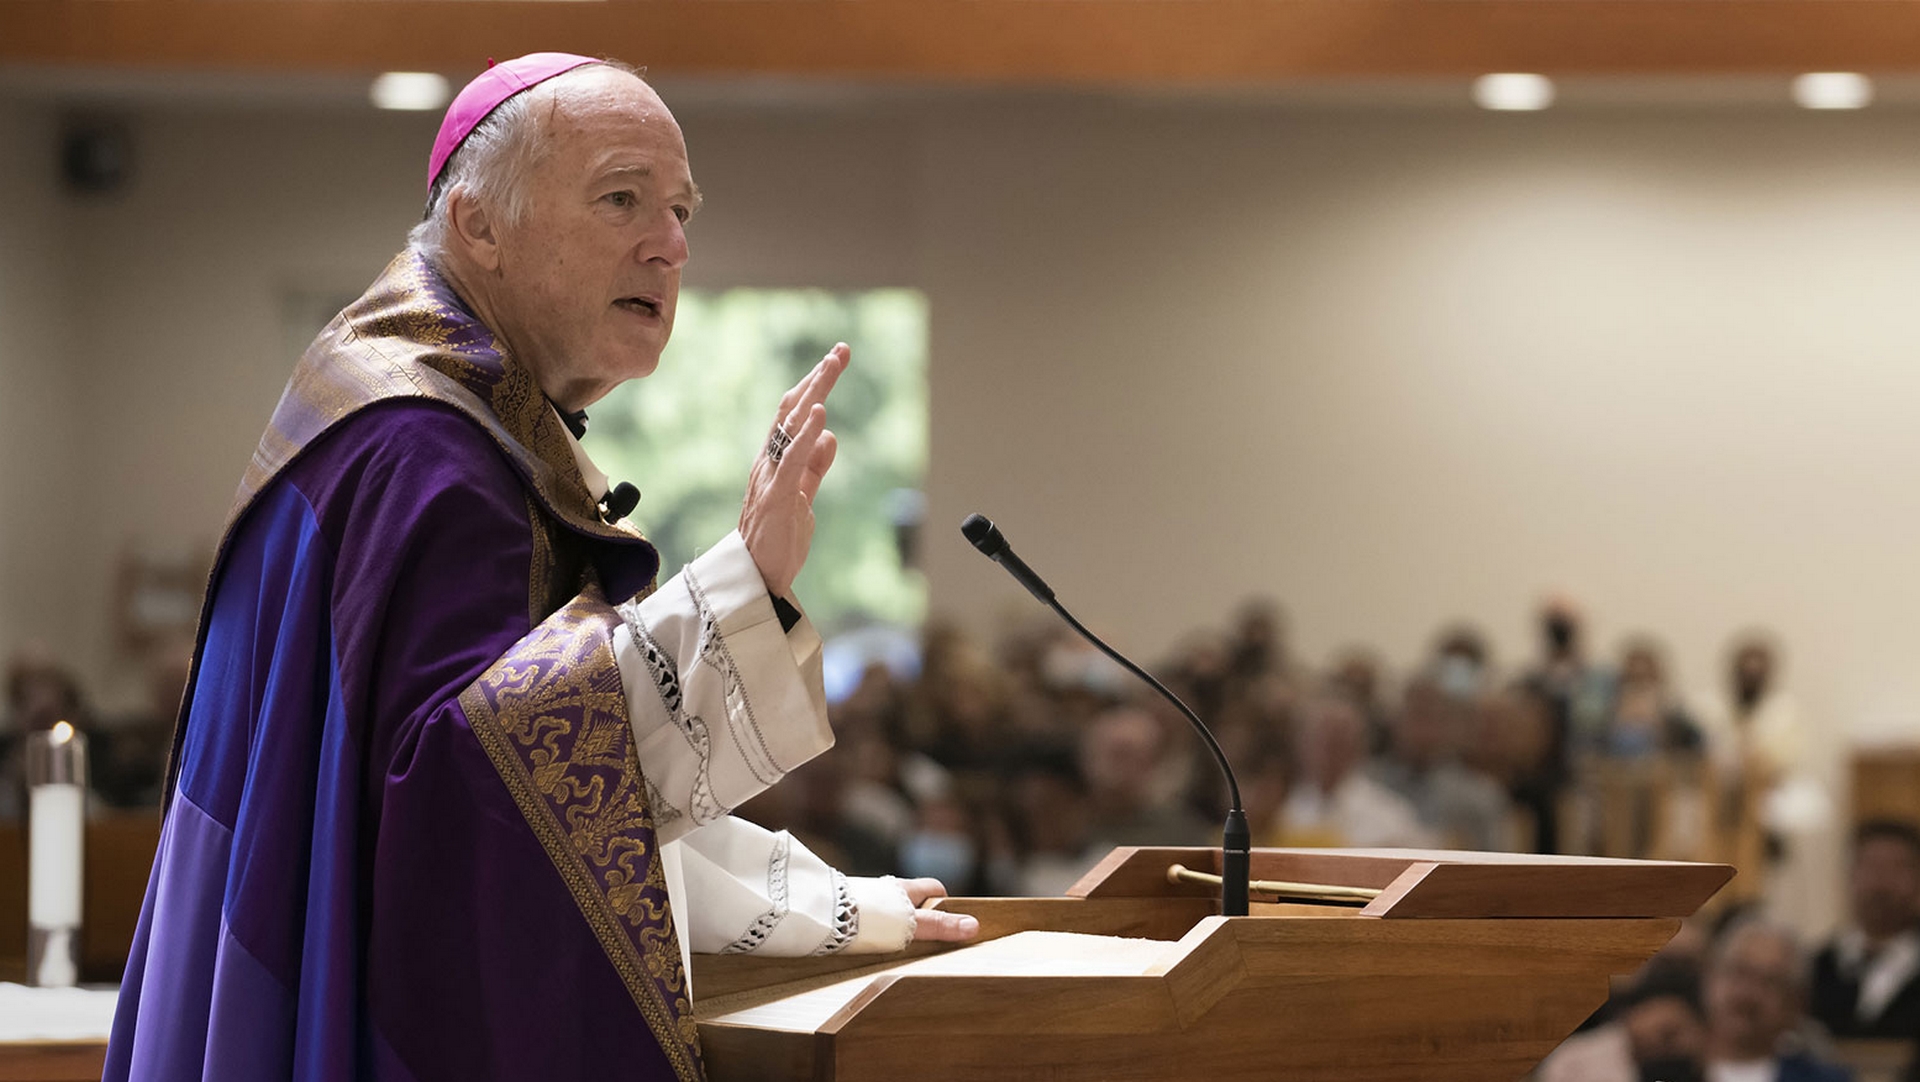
point(411, 90)
point(1513, 91)
point(1832, 90)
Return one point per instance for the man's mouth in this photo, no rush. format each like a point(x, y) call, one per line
point(645, 306)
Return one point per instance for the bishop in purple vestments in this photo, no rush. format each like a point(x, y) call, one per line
point(449, 793)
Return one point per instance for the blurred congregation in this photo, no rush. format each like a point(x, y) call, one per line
point(1011, 767)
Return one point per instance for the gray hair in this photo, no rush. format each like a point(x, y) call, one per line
point(493, 162)
point(1799, 965)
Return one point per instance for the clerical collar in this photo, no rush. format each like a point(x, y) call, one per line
point(615, 501)
point(576, 421)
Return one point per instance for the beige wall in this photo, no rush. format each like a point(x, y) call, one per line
point(42, 416)
point(1393, 367)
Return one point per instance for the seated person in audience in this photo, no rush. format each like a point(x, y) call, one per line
point(1657, 1032)
point(1334, 801)
point(1049, 840)
point(1508, 740)
point(1121, 758)
point(1756, 986)
point(1866, 981)
point(1462, 662)
point(1461, 806)
point(1645, 719)
point(1357, 675)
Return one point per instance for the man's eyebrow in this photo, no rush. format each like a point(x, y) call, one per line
point(692, 191)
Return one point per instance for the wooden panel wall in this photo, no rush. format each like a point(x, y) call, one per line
point(984, 41)
point(1886, 784)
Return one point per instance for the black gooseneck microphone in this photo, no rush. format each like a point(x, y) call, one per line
point(1236, 839)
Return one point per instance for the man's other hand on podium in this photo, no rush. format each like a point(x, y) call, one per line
point(933, 925)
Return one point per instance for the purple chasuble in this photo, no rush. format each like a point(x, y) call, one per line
point(406, 831)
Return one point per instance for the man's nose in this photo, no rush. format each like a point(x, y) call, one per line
point(666, 244)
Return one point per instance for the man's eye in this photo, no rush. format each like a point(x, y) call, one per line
point(620, 199)
point(682, 213)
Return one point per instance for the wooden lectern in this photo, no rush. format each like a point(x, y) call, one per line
point(1465, 966)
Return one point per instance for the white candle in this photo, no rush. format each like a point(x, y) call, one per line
point(57, 815)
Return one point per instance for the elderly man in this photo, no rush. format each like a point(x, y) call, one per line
point(449, 795)
point(1335, 802)
point(1756, 988)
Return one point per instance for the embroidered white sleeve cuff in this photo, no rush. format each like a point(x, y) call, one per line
point(752, 890)
point(723, 702)
point(886, 915)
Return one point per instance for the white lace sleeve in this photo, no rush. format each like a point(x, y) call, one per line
point(750, 889)
point(723, 701)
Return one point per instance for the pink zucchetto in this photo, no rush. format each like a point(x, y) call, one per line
point(482, 96)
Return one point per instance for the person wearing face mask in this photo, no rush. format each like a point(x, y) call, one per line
point(1657, 1033)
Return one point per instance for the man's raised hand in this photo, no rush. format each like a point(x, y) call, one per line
point(776, 518)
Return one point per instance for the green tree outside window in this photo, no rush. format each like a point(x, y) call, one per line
point(687, 434)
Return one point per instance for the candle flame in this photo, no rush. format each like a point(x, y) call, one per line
point(62, 732)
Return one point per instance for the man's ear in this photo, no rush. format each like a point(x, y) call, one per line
point(473, 230)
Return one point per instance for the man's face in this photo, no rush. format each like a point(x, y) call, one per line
point(1752, 996)
point(1665, 1028)
point(590, 275)
point(1885, 886)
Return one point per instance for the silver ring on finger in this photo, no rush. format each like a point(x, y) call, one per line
point(777, 444)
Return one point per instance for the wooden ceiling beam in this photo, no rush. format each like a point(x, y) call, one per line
point(983, 41)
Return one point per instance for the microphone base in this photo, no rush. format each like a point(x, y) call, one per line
point(1236, 865)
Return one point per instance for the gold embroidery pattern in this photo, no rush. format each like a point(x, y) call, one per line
point(540, 571)
point(552, 716)
point(409, 337)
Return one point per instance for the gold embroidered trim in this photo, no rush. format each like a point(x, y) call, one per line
point(402, 339)
point(540, 570)
point(548, 702)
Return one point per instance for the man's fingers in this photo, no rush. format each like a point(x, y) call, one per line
point(937, 926)
point(815, 388)
point(790, 401)
point(923, 890)
point(824, 449)
point(794, 464)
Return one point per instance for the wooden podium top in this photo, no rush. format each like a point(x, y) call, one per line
point(1435, 882)
point(1466, 966)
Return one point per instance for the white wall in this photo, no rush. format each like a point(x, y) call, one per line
point(1394, 367)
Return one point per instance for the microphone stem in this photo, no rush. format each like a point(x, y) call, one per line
point(1233, 787)
point(1236, 840)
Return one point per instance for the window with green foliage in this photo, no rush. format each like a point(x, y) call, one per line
point(687, 435)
